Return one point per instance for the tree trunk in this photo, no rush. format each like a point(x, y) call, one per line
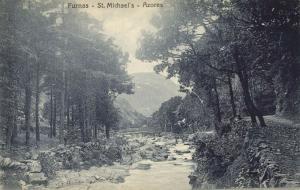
point(8, 77)
point(51, 112)
point(85, 119)
point(95, 131)
point(73, 115)
point(15, 125)
point(231, 96)
point(55, 94)
point(253, 111)
point(217, 102)
point(54, 116)
point(193, 128)
point(67, 101)
point(247, 99)
point(28, 95)
point(62, 107)
point(68, 114)
point(9, 106)
point(107, 130)
point(242, 74)
point(37, 103)
point(62, 95)
point(81, 121)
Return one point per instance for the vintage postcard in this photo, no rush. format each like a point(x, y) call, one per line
point(149, 94)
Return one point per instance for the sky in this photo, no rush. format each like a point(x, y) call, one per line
point(125, 26)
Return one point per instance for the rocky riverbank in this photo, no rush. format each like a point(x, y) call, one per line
point(104, 163)
point(38, 167)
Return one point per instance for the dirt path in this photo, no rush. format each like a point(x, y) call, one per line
point(272, 119)
point(284, 135)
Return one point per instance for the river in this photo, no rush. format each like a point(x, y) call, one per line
point(149, 175)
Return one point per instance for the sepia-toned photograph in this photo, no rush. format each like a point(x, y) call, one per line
point(149, 94)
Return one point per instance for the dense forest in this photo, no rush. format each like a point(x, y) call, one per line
point(234, 58)
point(50, 53)
point(238, 63)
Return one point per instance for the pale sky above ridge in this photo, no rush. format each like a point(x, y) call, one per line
point(125, 26)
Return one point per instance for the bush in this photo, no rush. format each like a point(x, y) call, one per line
point(215, 154)
point(12, 172)
point(49, 163)
point(82, 155)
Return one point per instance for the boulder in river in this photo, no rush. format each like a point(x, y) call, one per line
point(34, 166)
point(118, 179)
point(171, 158)
point(143, 166)
point(181, 152)
point(37, 178)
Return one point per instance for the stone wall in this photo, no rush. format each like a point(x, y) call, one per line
point(248, 157)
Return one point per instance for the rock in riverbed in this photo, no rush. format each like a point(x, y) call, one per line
point(143, 166)
point(181, 152)
point(37, 179)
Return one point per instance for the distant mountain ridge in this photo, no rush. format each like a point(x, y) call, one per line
point(151, 90)
point(129, 116)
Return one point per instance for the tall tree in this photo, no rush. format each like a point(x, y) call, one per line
point(8, 59)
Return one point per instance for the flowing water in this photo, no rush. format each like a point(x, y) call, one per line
point(164, 175)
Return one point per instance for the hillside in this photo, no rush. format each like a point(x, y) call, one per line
point(150, 91)
point(129, 116)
